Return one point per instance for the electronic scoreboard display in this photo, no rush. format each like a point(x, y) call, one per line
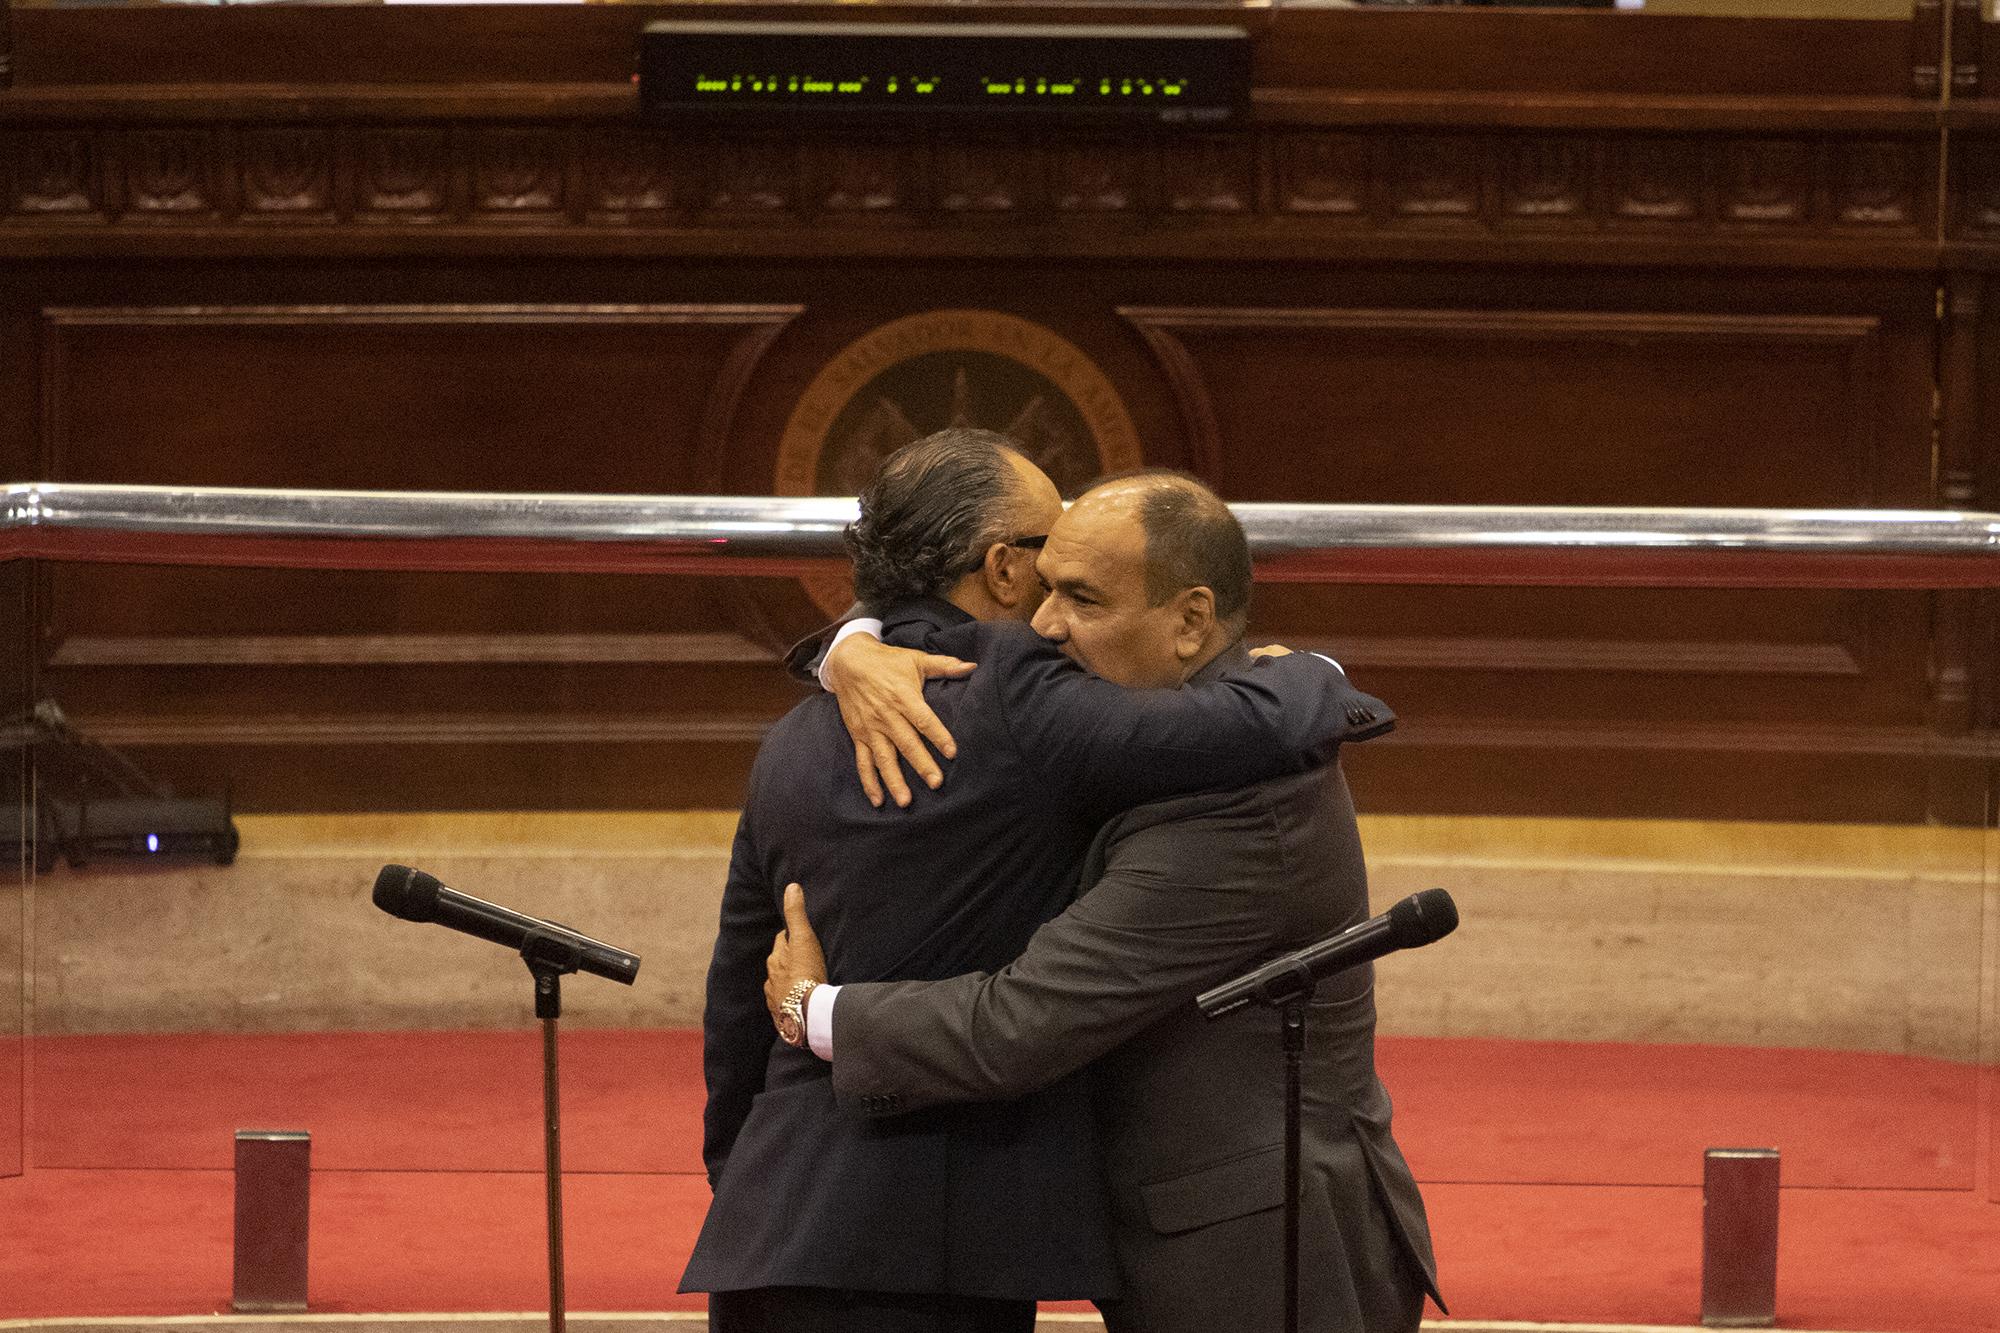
point(808, 73)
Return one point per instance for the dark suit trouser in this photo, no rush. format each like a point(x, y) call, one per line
point(824, 1310)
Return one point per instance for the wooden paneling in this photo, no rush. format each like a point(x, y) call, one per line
point(1573, 407)
point(1368, 396)
point(440, 397)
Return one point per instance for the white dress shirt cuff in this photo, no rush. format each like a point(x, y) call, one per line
point(859, 625)
point(819, 1020)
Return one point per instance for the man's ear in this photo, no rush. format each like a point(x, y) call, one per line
point(1197, 618)
point(1003, 576)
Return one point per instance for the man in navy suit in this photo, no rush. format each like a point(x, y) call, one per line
point(955, 1218)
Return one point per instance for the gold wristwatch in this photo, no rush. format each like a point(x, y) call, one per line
point(792, 1013)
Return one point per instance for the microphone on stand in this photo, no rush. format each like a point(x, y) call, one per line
point(1418, 920)
point(551, 952)
point(415, 896)
point(1285, 984)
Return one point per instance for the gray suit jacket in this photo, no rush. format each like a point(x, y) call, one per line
point(1183, 894)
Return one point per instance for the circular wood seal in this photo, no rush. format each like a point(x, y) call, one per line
point(922, 373)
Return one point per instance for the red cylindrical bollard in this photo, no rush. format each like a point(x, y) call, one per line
point(273, 1183)
point(1739, 1238)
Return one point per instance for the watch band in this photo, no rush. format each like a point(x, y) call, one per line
point(792, 1013)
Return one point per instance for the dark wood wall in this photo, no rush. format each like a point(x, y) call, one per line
point(1453, 258)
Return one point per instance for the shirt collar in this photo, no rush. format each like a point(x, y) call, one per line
point(1233, 658)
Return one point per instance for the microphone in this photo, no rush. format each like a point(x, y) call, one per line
point(415, 896)
point(1418, 920)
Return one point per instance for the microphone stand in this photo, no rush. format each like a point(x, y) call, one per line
point(1287, 984)
point(550, 959)
point(1289, 993)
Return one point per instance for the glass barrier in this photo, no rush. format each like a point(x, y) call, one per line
point(1792, 9)
point(1828, 9)
point(1723, 882)
point(16, 852)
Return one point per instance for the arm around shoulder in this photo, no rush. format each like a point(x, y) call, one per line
point(1116, 748)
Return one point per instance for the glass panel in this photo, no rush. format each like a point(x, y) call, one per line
point(1989, 1026)
point(1628, 993)
point(1686, 925)
point(16, 854)
point(528, 740)
point(1748, 934)
point(1668, 945)
point(1801, 9)
point(1833, 9)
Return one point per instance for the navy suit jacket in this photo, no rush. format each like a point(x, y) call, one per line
point(1000, 1201)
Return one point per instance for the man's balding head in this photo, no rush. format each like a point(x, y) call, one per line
point(1149, 578)
point(1192, 540)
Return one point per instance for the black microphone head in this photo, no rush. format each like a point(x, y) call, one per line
point(1423, 918)
point(407, 893)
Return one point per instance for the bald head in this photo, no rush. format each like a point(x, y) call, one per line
point(1192, 539)
point(1148, 577)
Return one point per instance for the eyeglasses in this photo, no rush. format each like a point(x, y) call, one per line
point(1030, 543)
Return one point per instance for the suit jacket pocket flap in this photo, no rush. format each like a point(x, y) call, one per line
point(1238, 1187)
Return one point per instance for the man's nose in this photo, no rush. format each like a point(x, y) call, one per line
point(1048, 622)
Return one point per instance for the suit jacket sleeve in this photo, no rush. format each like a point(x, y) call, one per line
point(1145, 940)
point(736, 1028)
point(1112, 748)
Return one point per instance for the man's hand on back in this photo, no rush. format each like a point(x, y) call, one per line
point(795, 953)
point(881, 695)
point(1271, 650)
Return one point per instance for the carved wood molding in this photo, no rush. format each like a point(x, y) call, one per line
point(539, 179)
point(1699, 738)
point(600, 729)
point(758, 327)
point(1163, 329)
point(1558, 656)
point(708, 649)
point(316, 650)
point(1975, 161)
point(1608, 324)
point(426, 729)
point(313, 316)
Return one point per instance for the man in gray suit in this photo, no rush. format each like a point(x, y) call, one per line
point(1148, 585)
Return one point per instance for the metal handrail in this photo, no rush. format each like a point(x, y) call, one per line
point(769, 535)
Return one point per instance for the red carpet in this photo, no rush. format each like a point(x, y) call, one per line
point(1561, 1178)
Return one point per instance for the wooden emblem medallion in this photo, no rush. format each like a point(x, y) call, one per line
point(943, 368)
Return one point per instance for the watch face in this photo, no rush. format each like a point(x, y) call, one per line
point(788, 1029)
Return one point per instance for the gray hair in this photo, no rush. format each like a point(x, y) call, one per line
point(930, 514)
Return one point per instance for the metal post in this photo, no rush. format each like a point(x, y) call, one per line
point(1739, 1238)
point(550, 984)
point(549, 960)
point(273, 1180)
